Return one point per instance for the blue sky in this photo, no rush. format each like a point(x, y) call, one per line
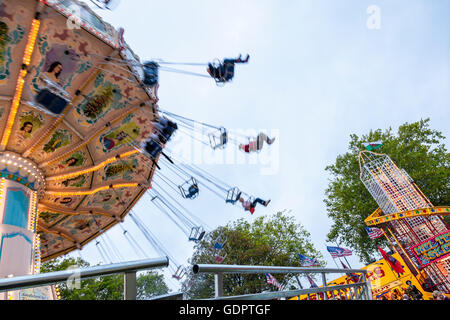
point(316, 74)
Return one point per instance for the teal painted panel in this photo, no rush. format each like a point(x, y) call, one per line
point(17, 205)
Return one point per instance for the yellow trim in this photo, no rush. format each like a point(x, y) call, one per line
point(91, 169)
point(20, 82)
point(85, 142)
point(90, 192)
point(377, 213)
point(376, 219)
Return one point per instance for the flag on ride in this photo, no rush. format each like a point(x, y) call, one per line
point(374, 232)
point(337, 252)
point(271, 280)
point(372, 145)
point(311, 281)
point(355, 277)
point(394, 263)
point(314, 285)
point(307, 261)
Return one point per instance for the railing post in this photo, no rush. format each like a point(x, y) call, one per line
point(324, 281)
point(368, 290)
point(129, 286)
point(218, 285)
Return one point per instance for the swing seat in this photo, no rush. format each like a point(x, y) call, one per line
point(218, 245)
point(218, 142)
point(152, 148)
point(168, 131)
point(189, 189)
point(202, 234)
point(197, 234)
point(179, 273)
point(193, 192)
point(220, 242)
point(106, 4)
point(233, 195)
point(228, 71)
point(222, 72)
point(219, 259)
point(51, 100)
point(150, 73)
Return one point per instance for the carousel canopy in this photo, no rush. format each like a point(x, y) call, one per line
point(72, 104)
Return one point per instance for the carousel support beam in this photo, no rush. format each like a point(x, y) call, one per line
point(34, 29)
point(58, 233)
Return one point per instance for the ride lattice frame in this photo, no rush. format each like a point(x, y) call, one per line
point(396, 194)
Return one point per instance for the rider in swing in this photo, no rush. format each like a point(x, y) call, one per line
point(164, 130)
point(256, 144)
point(248, 205)
point(225, 71)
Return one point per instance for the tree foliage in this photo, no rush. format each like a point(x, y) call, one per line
point(149, 284)
point(414, 147)
point(269, 241)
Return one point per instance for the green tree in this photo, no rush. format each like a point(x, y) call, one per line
point(414, 147)
point(149, 284)
point(270, 241)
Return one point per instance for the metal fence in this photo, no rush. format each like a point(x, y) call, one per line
point(356, 291)
point(129, 270)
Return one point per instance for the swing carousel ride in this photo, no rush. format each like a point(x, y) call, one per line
point(83, 137)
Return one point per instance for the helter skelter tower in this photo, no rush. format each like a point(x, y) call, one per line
point(412, 224)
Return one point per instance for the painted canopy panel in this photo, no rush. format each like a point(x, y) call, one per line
point(30, 124)
point(94, 174)
point(15, 22)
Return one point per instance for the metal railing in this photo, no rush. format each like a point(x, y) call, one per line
point(356, 291)
point(170, 296)
point(129, 270)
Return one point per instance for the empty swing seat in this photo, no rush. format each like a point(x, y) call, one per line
point(219, 259)
point(218, 141)
point(218, 246)
point(51, 101)
point(197, 234)
point(202, 234)
point(179, 273)
point(233, 195)
point(150, 73)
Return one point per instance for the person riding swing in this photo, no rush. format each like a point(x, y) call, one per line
point(224, 72)
point(249, 205)
point(166, 128)
point(256, 144)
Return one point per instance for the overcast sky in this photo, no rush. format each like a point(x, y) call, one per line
point(318, 72)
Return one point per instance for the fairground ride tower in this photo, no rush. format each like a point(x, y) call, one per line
point(413, 226)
